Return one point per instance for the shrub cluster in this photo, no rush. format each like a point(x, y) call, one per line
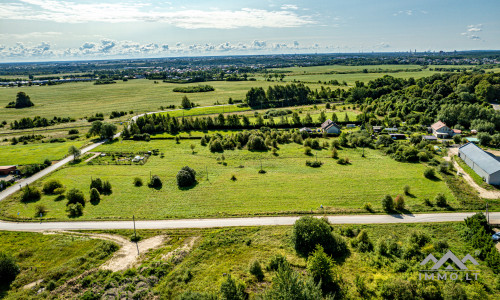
point(103, 187)
point(186, 177)
point(313, 164)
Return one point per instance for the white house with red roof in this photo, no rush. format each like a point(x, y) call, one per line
point(440, 130)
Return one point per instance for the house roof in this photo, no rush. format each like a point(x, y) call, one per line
point(438, 125)
point(457, 131)
point(328, 124)
point(2, 168)
point(484, 160)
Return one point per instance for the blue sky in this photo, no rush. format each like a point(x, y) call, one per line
point(35, 30)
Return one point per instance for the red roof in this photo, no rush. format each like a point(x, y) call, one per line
point(7, 168)
point(438, 125)
point(457, 131)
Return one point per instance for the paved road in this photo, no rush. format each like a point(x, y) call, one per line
point(232, 222)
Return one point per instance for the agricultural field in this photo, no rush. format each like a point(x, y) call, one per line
point(85, 99)
point(50, 257)
point(36, 153)
point(288, 187)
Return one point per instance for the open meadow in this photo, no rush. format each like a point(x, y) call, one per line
point(288, 187)
point(36, 153)
point(83, 99)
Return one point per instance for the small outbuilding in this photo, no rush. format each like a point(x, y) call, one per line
point(377, 129)
point(483, 163)
point(429, 138)
point(6, 170)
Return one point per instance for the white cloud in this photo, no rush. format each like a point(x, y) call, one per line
point(77, 12)
point(475, 28)
point(472, 32)
point(107, 48)
point(29, 35)
point(289, 6)
point(404, 12)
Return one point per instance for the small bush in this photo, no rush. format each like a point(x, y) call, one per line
point(441, 200)
point(362, 242)
point(186, 177)
point(344, 161)
point(441, 245)
point(233, 178)
point(106, 188)
point(30, 194)
point(74, 210)
point(388, 203)
point(155, 182)
point(335, 153)
point(428, 202)
point(75, 196)
point(307, 150)
point(40, 209)
point(138, 182)
point(96, 183)
point(95, 196)
point(406, 189)
point(399, 202)
point(313, 164)
point(368, 207)
point(256, 270)
point(429, 173)
point(51, 285)
point(8, 268)
point(275, 262)
point(50, 186)
point(59, 191)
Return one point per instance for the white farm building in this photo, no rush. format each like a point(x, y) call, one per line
point(483, 163)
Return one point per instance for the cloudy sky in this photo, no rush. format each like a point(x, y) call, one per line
point(40, 30)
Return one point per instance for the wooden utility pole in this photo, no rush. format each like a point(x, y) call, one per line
point(135, 235)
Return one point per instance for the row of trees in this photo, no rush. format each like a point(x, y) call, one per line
point(38, 121)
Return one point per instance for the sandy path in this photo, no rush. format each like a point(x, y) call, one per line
point(96, 154)
point(129, 254)
point(483, 193)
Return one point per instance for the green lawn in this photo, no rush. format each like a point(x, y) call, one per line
point(49, 257)
point(288, 187)
point(206, 111)
point(35, 153)
point(85, 99)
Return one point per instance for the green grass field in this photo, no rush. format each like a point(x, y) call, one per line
point(206, 111)
point(36, 153)
point(50, 257)
point(84, 99)
point(288, 187)
point(341, 68)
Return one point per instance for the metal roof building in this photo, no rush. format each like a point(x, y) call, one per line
point(483, 163)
